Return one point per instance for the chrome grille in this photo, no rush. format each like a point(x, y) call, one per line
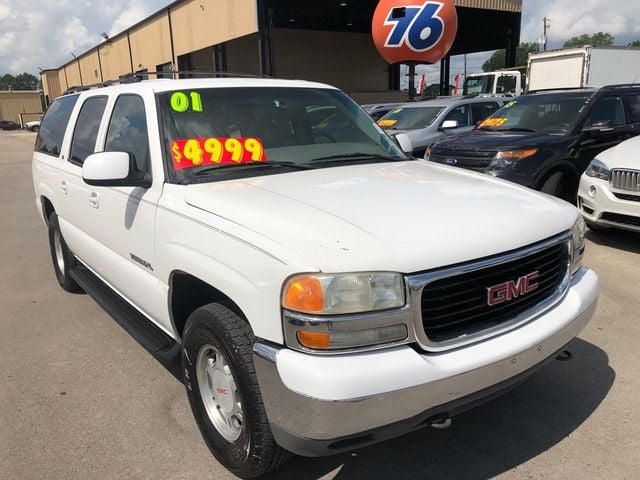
point(453, 301)
point(628, 180)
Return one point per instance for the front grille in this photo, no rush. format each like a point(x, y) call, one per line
point(457, 305)
point(619, 218)
point(625, 180)
point(469, 159)
point(630, 198)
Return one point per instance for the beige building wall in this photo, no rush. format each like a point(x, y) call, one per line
point(62, 80)
point(51, 83)
point(14, 103)
point(197, 24)
point(151, 44)
point(90, 68)
point(114, 58)
point(349, 61)
point(73, 74)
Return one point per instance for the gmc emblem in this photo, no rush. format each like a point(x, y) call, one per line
point(512, 289)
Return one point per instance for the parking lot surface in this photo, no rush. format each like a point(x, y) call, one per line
point(81, 399)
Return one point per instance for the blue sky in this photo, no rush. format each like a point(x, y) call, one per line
point(43, 33)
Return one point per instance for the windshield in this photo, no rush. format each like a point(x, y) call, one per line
point(210, 130)
point(481, 84)
point(410, 118)
point(538, 113)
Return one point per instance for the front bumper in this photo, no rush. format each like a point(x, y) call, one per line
point(596, 198)
point(320, 405)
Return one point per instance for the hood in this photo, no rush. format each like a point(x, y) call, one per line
point(406, 216)
point(624, 155)
point(487, 140)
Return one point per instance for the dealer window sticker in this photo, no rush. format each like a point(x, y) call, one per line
point(387, 122)
point(510, 104)
point(196, 152)
point(494, 122)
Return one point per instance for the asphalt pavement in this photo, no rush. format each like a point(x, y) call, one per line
point(80, 399)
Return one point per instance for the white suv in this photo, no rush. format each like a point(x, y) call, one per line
point(609, 194)
point(321, 290)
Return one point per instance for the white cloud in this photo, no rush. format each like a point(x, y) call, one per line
point(44, 33)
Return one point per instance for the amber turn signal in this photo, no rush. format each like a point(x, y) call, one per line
point(320, 340)
point(304, 294)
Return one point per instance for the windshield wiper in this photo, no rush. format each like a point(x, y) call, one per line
point(216, 168)
point(356, 155)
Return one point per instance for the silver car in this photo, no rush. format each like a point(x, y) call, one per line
point(426, 122)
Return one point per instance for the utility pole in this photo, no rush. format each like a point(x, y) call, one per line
point(545, 26)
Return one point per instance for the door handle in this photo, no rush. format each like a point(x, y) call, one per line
point(64, 187)
point(94, 200)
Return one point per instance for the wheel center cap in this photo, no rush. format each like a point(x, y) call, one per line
point(222, 391)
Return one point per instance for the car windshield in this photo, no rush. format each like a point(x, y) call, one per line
point(410, 118)
point(480, 84)
point(210, 130)
point(538, 113)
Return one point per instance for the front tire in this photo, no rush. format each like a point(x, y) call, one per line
point(223, 391)
point(63, 259)
point(554, 184)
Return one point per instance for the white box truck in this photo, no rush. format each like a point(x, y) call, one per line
point(582, 67)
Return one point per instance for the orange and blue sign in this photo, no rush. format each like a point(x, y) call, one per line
point(414, 30)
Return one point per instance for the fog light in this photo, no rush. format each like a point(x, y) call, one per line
point(592, 191)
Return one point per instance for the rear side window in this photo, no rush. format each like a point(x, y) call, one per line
point(128, 130)
point(86, 132)
point(54, 124)
point(634, 108)
point(461, 114)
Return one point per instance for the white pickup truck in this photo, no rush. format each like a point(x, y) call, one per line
point(322, 290)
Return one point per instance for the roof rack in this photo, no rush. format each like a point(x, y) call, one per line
point(169, 75)
point(621, 85)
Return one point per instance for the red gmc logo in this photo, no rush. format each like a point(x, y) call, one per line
point(512, 289)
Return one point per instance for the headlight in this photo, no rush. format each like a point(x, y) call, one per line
point(509, 157)
point(326, 294)
point(577, 244)
point(597, 169)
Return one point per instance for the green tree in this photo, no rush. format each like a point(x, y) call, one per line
point(497, 60)
point(600, 38)
point(25, 81)
point(635, 43)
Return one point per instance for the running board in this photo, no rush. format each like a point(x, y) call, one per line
point(163, 348)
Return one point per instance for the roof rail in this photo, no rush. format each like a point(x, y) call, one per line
point(621, 85)
point(170, 75)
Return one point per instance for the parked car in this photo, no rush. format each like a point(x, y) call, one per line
point(426, 122)
point(314, 287)
point(609, 194)
point(546, 140)
point(33, 126)
point(378, 110)
point(9, 125)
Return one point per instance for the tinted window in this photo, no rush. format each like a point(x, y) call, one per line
point(128, 129)
point(461, 114)
point(84, 136)
point(634, 108)
point(606, 109)
point(54, 125)
point(483, 110)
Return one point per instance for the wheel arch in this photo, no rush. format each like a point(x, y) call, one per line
point(188, 293)
point(47, 207)
point(564, 166)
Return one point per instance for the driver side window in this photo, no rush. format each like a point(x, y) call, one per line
point(128, 130)
point(606, 109)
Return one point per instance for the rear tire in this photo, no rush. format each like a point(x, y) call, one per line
point(223, 391)
point(63, 259)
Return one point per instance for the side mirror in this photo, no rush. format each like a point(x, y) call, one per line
point(405, 142)
point(449, 124)
point(113, 169)
point(604, 126)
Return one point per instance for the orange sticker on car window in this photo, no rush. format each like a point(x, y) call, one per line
point(494, 122)
point(387, 123)
point(196, 152)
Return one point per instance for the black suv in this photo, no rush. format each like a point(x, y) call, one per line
point(545, 140)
